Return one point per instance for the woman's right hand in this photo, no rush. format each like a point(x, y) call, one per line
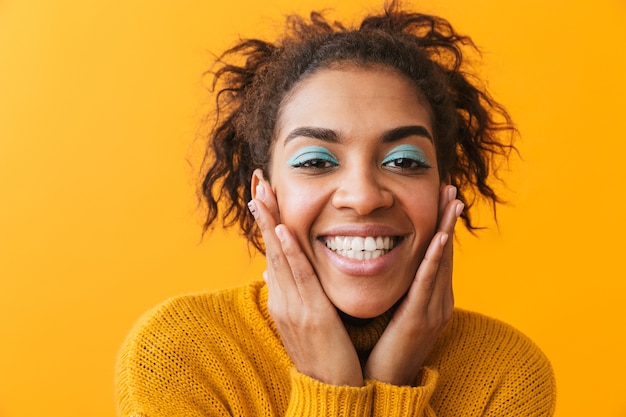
point(310, 327)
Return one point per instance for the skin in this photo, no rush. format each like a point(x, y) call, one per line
point(349, 145)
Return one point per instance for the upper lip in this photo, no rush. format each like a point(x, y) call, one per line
point(362, 230)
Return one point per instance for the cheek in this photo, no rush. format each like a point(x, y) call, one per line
point(423, 213)
point(423, 210)
point(298, 205)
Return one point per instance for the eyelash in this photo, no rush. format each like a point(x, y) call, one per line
point(314, 160)
point(317, 161)
point(415, 159)
point(400, 164)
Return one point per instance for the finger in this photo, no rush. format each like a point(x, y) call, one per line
point(263, 191)
point(446, 195)
point(302, 272)
point(425, 278)
point(442, 298)
point(448, 296)
point(451, 213)
point(278, 270)
point(428, 275)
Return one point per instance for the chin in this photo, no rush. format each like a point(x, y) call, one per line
point(364, 309)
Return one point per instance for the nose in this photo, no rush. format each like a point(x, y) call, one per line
point(363, 191)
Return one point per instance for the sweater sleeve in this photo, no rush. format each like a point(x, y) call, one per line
point(405, 401)
point(312, 398)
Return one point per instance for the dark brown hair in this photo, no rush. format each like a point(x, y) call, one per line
point(251, 79)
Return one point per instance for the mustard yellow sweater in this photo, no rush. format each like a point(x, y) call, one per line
point(220, 355)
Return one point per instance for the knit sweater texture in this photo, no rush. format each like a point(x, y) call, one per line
point(220, 355)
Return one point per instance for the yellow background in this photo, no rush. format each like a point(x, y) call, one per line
point(99, 104)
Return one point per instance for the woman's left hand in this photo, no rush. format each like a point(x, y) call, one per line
point(400, 353)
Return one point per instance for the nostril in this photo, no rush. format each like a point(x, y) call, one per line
point(362, 196)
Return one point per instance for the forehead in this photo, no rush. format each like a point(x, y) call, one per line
point(353, 97)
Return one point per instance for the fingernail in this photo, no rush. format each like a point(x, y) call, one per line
point(451, 193)
point(459, 209)
point(252, 208)
point(260, 192)
point(443, 239)
point(280, 232)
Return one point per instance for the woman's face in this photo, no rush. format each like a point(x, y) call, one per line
point(354, 171)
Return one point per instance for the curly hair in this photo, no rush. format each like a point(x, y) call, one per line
point(471, 130)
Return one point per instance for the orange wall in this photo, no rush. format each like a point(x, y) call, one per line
point(99, 102)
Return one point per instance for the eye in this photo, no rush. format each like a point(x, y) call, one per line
point(314, 163)
point(404, 163)
point(406, 158)
point(313, 158)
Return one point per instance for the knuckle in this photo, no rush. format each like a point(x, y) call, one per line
point(445, 267)
point(271, 308)
point(276, 310)
point(287, 315)
point(433, 326)
point(434, 322)
point(428, 282)
point(309, 321)
point(299, 276)
point(274, 260)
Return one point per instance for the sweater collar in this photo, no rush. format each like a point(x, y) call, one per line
point(365, 335)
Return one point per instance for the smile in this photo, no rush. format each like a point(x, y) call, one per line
point(361, 248)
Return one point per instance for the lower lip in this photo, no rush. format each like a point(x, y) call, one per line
point(357, 267)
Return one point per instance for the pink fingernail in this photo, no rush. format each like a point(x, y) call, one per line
point(260, 192)
point(280, 232)
point(451, 193)
point(443, 239)
point(252, 208)
point(459, 209)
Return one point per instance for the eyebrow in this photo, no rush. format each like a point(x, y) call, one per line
point(406, 131)
point(329, 135)
point(326, 135)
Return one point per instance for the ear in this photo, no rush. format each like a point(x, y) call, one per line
point(270, 199)
point(257, 178)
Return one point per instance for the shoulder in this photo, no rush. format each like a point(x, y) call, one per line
point(192, 316)
point(173, 348)
point(189, 311)
point(477, 333)
point(480, 353)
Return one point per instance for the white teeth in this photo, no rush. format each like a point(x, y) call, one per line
point(360, 248)
point(370, 244)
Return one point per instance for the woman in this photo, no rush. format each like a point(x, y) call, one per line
point(346, 155)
